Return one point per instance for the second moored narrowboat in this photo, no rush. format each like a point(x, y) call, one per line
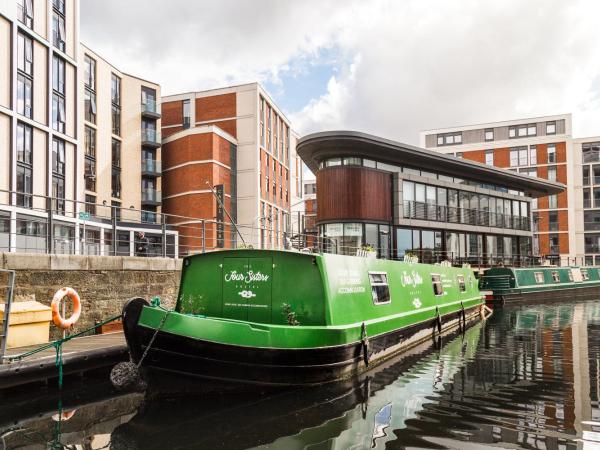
point(284, 318)
point(544, 283)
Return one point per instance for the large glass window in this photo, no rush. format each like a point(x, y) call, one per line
point(587, 202)
point(90, 106)
point(585, 172)
point(489, 157)
point(58, 31)
point(551, 148)
point(403, 242)
point(58, 112)
point(597, 197)
point(24, 54)
point(591, 151)
point(24, 143)
point(24, 185)
point(25, 12)
point(24, 96)
point(532, 155)
point(352, 240)
point(553, 221)
point(187, 118)
point(552, 173)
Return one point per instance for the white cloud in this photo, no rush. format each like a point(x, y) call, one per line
point(404, 66)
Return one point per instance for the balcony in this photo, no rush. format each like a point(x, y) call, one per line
point(150, 138)
point(151, 168)
point(482, 218)
point(151, 197)
point(151, 109)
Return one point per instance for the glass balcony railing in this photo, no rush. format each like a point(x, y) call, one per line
point(151, 137)
point(151, 166)
point(151, 196)
point(150, 107)
point(443, 213)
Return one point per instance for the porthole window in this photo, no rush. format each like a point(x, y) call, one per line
point(436, 281)
point(462, 287)
point(539, 277)
point(379, 287)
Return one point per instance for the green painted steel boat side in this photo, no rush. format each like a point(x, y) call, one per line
point(504, 280)
point(275, 299)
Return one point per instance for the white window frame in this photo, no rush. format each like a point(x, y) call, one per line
point(537, 276)
point(462, 286)
point(555, 276)
point(380, 283)
point(433, 283)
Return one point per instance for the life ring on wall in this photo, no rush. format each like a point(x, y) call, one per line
point(59, 320)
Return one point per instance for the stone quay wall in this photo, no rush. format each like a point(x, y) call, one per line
point(104, 283)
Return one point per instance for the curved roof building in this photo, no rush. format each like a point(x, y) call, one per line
point(399, 198)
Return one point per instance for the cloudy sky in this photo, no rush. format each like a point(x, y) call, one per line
point(391, 68)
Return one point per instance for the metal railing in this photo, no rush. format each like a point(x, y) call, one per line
point(151, 195)
point(466, 216)
point(151, 166)
point(150, 106)
point(7, 285)
point(151, 136)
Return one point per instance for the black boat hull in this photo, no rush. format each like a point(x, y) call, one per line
point(231, 364)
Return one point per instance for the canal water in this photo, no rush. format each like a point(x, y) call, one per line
point(527, 378)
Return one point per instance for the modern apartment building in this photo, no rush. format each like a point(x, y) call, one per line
point(238, 141)
point(73, 129)
point(539, 147)
point(398, 199)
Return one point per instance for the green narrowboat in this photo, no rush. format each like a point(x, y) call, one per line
point(285, 318)
point(543, 283)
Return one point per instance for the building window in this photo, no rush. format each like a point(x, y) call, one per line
point(550, 127)
point(149, 100)
point(116, 168)
point(24, 143)
point(585, 174)
point(90, 89)
point(553, 221)
point(552, 173)
point(90, 158)
point(58, 31)
point(24, 95)
point(554, 248)
point(262, 121)
point(267, 183)
point(436, 282)
point(553, 201)
point(89, 73)
point(59, 5)
point(24, 165)
point(489, 134)
point(116, 120)
point(24, 54)
point(90, 142)
point(115, 210)
point(591, 151)
point(489, 157)
point(90, 106)
point(449, 138)
point(24, 185)
point(58, 75)
point(58, 156)
point(90, 173)
point(25, 12)
point(532, 155)
point(58, 112)
point(596, 197)
point(58, 175)
point(186, 114)
point(517, 131)
point(90, 204)
point(115, 99)
point(380, 291)
point(587, 201)
point(551, 153)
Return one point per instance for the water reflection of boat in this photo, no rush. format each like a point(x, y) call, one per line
point(358, 413)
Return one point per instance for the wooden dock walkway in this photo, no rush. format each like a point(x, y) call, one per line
point(79, 355)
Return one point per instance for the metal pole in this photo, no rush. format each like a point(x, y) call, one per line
point(203, 236)
point(114, 232)
point(49, 231)
point(164, 237)
point(226, 212)
point(7, 305)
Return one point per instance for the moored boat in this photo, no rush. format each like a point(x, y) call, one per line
point(543, 283)
point(288, 318)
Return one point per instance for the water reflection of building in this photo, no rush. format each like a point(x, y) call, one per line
point(398, 198)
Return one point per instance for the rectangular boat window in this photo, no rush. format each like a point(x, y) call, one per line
point(461, 283)
point(584, 275)
point(539, 277)
point(379, 287)
point(555, 276)
point(570, 274)
point(436, 281)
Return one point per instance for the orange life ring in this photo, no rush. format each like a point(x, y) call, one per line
point(58, 320)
